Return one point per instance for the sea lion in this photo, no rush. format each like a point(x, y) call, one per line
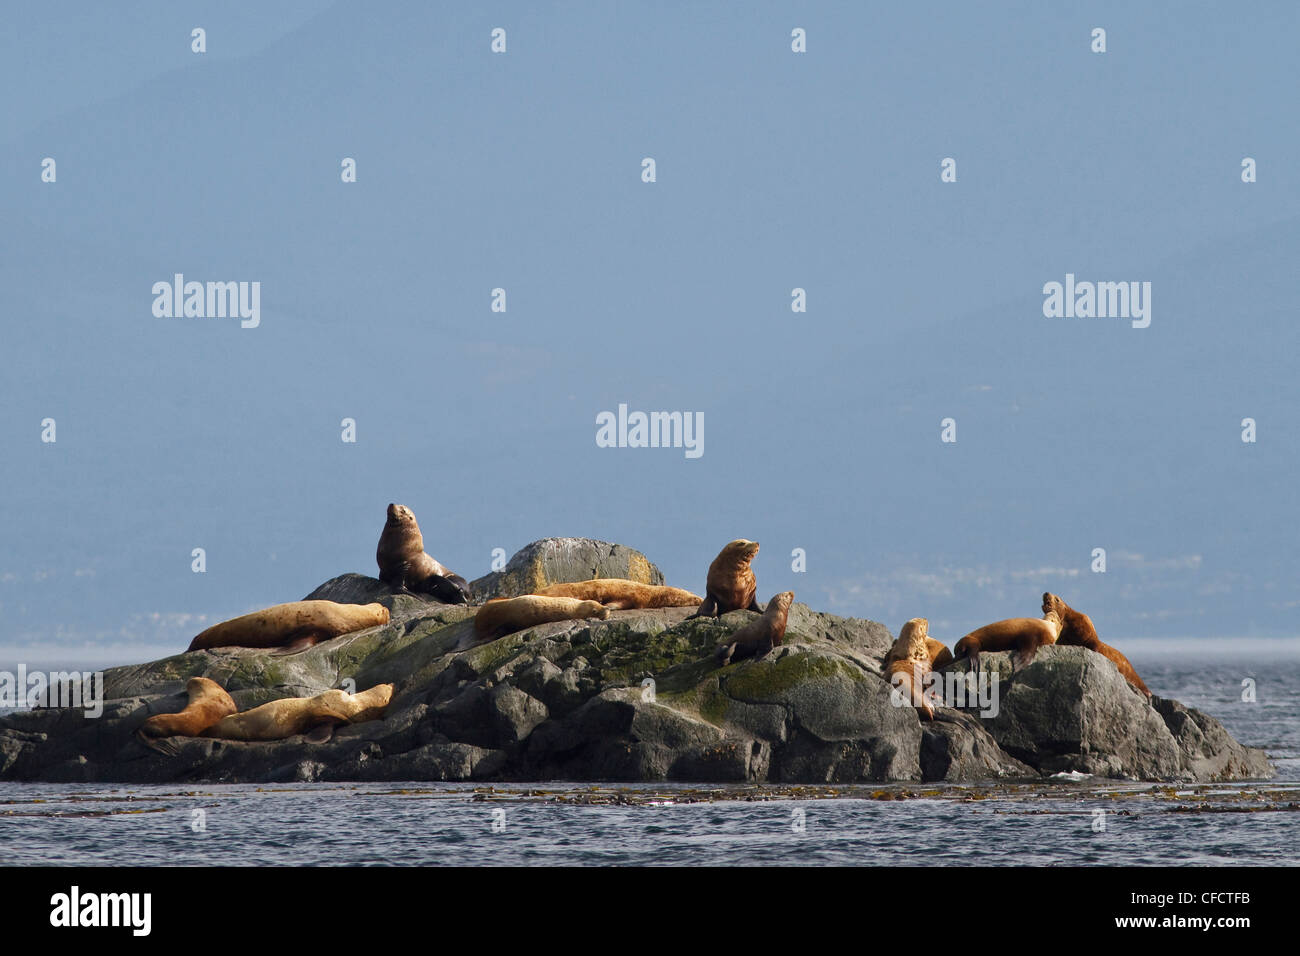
point(291, 627)
point(909, 660)
point(758, 637)
point(208, 703)
point(1077, 631)
point(298, 715)
point(939, 654)
point(502, 616)
point(1024, 635)
point(620, 594)
point(404, 566)
point(730, 585)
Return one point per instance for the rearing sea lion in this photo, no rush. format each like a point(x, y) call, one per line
point(1077, 630)
point(404, 565)
point(939, 654)
point(730, 585)
point(909, 660)
point(758, 637)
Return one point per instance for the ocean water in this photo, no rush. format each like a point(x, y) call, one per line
point(1085, 822)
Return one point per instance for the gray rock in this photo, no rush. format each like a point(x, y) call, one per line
point(560, 560)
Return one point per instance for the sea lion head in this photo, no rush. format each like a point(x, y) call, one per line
point(593, 609)
point(400, 514)
point(451, 589)
point(740, 551)
point(371, 704)
point(1053, 603)
point(913, 637)
point(918, 628)
point(781, 601)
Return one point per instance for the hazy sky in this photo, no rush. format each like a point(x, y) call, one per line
point(775, 170)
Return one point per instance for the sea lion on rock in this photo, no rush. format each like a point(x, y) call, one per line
point(939, 654)
point(758, 637)
point(730, 585)
point(404, 566)
point(620, 594)
point(1077, 630)
point(502, 616)
point(291, 627)
point(208, 703)
point(909, 660)
point(298, 715)
point(1024, 635)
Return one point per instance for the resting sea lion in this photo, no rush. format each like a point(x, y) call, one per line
point(404, 565)
point(1024, 635)
point(292, 627)
point(758, 637)
point(620, 594)
point(208, 703)
point(909, 660)
point(298, 715)
point(502, 616)
point(730, 585)
point(1077, 630)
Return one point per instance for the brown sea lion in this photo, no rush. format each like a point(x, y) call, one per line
point(292, 627)
point(909, 660)
point(1024, 635)
point(939, 654)
point(208, 703)
point(620, 594)
point(1077, 631)
point(298, 715)
point(502, 616)
point(730, 585)
point(404, 566)
point(758, 637)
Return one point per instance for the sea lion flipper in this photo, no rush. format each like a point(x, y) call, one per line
point(299, 644)
point(708, 609)
point(322, 734)
point(162, 745)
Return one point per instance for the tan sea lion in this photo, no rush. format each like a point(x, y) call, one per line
point(1024, 635)
point(293, 626)
point(298, 715)
point(620, 594)
point(730, 585)
point(208, 703)
point(502, 616)
point(1077, 631)
point(909, 660)
point(404, 566)
point(939, 654)
point(758, 637)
